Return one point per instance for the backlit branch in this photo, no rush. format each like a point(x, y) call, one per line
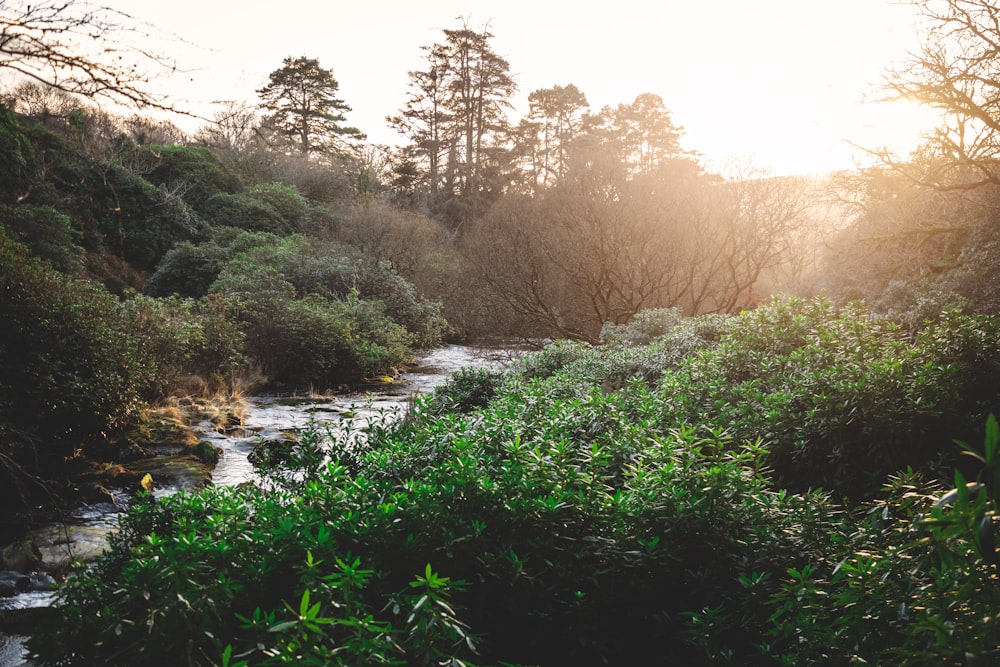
point(81, 48)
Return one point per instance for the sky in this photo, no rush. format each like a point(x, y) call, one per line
point(786, 84)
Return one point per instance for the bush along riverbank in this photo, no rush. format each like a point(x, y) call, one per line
point(765, 489)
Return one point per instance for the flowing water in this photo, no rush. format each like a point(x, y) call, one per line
point(270, 417)
point(267, 417)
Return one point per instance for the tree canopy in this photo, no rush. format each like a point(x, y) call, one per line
point(303, 109)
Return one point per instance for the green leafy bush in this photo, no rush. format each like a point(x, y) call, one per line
point(843, 399)
point(184, 339)
point(561, 519)
point(477, 538)
point(70, 368)
point(245, 212)
point(467, 389)
point(139, 221)
point(187, 270)
point(310, 322)
point(913, 580)
point(47, 232)
point(195, 172)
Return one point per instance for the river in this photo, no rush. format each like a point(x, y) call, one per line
point(85, 532)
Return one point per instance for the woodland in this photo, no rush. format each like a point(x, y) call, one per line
point(755, 427)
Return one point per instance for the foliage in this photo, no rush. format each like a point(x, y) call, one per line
point(70, 372)
point(193, 171)
point(527, 542)
point(142, 222)
point(455, 121)
point(18, 164)
point(183, 339)
point(913, 581)
point(303, 108)
point(330, 270)
point(188, 270)
point(308, 338)
point(574, 509)
point(467, 389)
point(842, 398)
point(47, 232)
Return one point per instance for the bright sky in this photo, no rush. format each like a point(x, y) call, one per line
point(781, 81)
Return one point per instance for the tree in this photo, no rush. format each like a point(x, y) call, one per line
point(603, 245)
point(955, 71)
point(233, 128)
point(555, 118)
point(82, 49)
point(303, 109)
point(455, 119)
point(642, 134)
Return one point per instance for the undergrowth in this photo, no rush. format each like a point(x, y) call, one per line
point(652, 502)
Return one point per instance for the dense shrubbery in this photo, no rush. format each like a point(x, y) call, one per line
point(841, 398)
point(69, 370)
point(76, 363)
point(581, 508)
point(71, 374)
point(317, 315)
point(185, 340)
point(194, 172)
point(48, 233)
point(528, 549)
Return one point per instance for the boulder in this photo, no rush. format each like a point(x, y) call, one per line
point(12, 583)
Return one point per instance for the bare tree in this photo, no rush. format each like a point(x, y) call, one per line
point(81, 48)
point(956, 71)
point(602, 246)
point(234, 127)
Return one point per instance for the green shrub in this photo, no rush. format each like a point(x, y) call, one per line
point(194, 172)
point(913, 580)
point(645, 326)
point(17, 158)
point(467, 389)
point(560, 520)
point(139, 221)
point(550, 359)
point(843, 399)
point(307, 320)
point(313, 340)
point(479, 538)
point(245, 212)
point(48, 233)
point(71, 372)
point(183, 339)
point(187, 270)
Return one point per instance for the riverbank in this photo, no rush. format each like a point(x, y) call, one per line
point(231, 430)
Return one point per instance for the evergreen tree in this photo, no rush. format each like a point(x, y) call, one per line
point(455, 119)
point(303, 109)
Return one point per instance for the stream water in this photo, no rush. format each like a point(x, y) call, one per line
point(85, 532)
